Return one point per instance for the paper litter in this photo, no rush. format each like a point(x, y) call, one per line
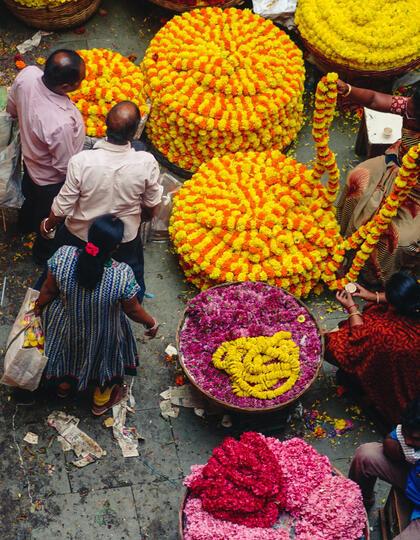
point(81, 444)
point(171, 350)
point(182, 396)
point(31, 43)
point(31, 438)
point(127, 437)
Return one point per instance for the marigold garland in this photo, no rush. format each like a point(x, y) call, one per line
point(363, 34)
point(367, 236)
point(256, 365)
point(110, 78)
point(221, 81)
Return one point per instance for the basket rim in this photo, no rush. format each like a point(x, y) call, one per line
point(357, 71)
point(237, 408)
point(366, 531)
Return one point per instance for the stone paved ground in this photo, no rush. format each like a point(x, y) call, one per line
point(117, 498)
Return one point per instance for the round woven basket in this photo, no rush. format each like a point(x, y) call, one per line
point(180, 7)
point(253, 410)
point(351, 74)
point(59, 17)
point(366, 533)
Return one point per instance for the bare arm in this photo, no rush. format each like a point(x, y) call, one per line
point(367, 98)
point(137, 313)
point(369, 296)
point(392, 449)
point(49, 291)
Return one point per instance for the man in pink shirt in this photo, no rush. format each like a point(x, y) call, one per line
point(112, 178)
point(51, 129)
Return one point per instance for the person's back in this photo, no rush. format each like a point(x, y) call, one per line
point(110, 178)
point(45, 118)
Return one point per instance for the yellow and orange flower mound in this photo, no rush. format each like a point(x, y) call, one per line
point(261, 216)
point(221, 81)
point(257, 216)
point(363, 34)
point(110, 78)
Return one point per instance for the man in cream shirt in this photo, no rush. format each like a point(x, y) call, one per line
point(112, 178)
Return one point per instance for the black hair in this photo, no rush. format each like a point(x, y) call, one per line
point(410, 419)
point(122, 128)
point(105, 233)
point(403, 293)
point(416, 103)
point(56, 74)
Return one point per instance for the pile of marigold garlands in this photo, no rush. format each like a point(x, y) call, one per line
point(364, 34)
point(110, 78)
point(261, 216)
point(221, 81)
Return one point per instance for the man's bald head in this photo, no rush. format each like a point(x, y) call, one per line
point(122, 122)
point(64, 71)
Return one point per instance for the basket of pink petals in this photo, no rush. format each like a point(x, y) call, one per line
point(221, 316)
point(259, 488)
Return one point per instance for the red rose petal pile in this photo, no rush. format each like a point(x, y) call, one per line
point(242, 482)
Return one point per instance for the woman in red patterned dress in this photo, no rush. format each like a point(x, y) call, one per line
point(381, 346)
point(372, 181)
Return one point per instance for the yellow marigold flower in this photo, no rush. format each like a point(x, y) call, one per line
point(221, 81)
point(364, 34)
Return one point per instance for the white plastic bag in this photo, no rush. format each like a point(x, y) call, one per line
point(160, 221)
point(271, 9)
point(23, 367)
point(10, 163)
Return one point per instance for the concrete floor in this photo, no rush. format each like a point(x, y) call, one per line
point(136, 498)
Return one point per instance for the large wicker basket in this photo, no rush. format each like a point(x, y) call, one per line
point(58, 17)
point(364, 78)
point(237, 408)
point(180, 7)
point(181, 522)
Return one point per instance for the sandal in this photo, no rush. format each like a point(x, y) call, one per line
point(117, 395)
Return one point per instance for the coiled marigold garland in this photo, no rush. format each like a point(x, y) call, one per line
point(221, 81)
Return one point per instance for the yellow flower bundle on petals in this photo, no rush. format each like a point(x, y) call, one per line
point(219, 82)
point(363, 34)
point(110, 78)
point(256, 365)
point(257, 216)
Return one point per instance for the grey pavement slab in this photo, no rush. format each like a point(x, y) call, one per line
point(157, 507)
point(102, 514)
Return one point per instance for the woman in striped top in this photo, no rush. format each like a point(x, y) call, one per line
point(87, 297)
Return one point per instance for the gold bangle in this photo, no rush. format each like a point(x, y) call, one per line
point(355, 313)
point(348, 91)
point(377, 297)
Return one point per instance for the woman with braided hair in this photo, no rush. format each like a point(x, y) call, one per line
point(87, 297)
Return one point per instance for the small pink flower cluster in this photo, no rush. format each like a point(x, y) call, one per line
point(241, 482)
point(321, 506)
point(203, 526)
point(322, 516)
point(302, 467)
